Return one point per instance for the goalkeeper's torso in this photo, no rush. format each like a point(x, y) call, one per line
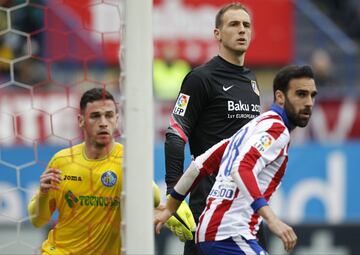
point(88, 203)
point(221, 98)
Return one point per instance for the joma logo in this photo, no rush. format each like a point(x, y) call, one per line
point(72, 178)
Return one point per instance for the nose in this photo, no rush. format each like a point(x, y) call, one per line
point(103, 121)
point(309, 101)
point(241, 29)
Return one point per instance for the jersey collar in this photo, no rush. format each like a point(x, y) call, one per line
point(279, 110)
point(230, 65)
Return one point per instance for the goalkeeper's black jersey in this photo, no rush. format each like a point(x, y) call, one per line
point(215, 100)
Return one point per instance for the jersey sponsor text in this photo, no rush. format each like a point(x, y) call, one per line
point(71, 200)
point(239, 106)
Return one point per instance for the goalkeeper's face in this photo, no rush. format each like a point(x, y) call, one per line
point(99, 122)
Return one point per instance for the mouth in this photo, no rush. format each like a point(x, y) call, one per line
point(241, 40)
point(305, 113)
point(102, 133)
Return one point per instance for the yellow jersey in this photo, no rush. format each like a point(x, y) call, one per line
point(88, 203)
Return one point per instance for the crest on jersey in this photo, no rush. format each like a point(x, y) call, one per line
point(108, 178)
point(181, 104)
point(255, 87)
point(263, 143)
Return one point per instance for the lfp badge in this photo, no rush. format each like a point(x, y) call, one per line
point(264, 143)
point(108, 178)
point(181, 104)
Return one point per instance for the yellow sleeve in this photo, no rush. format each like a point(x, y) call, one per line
point(156, 192)
point(40, 209)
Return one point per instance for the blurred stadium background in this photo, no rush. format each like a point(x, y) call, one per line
point(51, 51)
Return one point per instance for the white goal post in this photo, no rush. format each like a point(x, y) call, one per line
point(138, 234)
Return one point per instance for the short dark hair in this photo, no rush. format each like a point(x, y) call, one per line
point(225, 8)
point(287, 73)
point(95, 94)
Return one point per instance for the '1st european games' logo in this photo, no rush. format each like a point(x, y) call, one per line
point(108, 178)
point(181, 104)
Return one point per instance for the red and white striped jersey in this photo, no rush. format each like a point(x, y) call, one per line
point(249, 168)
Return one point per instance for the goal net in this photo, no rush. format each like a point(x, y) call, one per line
point(50, 53)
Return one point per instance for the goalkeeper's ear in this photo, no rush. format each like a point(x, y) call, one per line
point(156, 192)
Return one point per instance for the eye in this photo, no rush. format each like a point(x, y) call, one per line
point(301, 93)
point(94, 115)
point(109, 115)
point(247, 24)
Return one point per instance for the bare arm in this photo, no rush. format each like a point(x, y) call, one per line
point(163, 213)
point(279, 228)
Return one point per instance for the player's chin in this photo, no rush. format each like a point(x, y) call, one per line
point(240, 49)
point(302, 122)
point(103, 140)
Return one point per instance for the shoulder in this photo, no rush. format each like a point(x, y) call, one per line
point(200, 76)
point(271, 123)
point(66, 155)
point(205, 70)
point(196, 81)
point(70, 152)
point(118, 150)
point(198, 73)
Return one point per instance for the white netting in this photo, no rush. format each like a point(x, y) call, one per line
point(50, 53)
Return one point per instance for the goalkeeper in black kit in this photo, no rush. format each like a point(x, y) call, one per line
point(215, 100)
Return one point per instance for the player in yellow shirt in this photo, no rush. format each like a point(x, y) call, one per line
point(87, 198)
point(84, 183)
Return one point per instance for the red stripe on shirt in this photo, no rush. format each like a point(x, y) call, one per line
point(208, 204)
point(212, 164)
point(253, 221)
point(268, 192)
point(178, 128)
point(216, 218)
point(275, 180)
point(277, 117)
point(246, 167)
point(248, 163)
point(276, 130)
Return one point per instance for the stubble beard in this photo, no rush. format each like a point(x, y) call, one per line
point(294, 116)
point(101, 145)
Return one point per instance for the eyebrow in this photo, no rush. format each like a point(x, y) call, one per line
point(314, 92)
point(239, 21)
point(101, 112)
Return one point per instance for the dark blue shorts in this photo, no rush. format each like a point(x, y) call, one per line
point(232, 246)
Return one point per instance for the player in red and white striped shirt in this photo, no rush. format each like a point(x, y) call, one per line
point(249, 167)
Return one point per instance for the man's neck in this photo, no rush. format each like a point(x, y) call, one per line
point(232, 58)
point(97, 152)
point(281, 111)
